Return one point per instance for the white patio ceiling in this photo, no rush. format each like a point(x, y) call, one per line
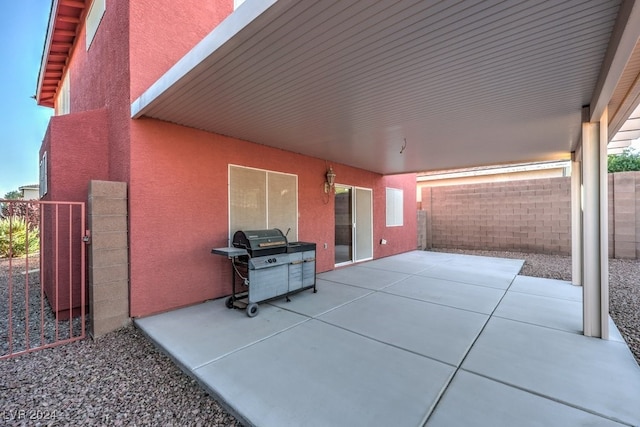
point(629, 132)
point(464, 83)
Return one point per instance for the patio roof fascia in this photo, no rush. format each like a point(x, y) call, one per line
point(624, 39)
point(236, 25)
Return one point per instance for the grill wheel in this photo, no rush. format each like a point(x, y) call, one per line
point(252, 309)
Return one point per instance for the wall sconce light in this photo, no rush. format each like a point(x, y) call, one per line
point(331, 180)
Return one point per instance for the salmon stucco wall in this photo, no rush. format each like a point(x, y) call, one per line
point(179, 210)
point(154, 51)
point(396, 237)
point(76, 153)
point(99, 78)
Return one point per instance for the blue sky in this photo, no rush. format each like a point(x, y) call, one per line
point(23, 25)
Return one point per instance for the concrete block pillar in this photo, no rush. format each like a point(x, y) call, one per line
point(422, 229)
point(108, 257)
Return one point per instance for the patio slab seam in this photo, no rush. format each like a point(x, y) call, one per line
point(468, 283)
point(386, 343)
point(540, 326)
point(545, 296)
point(373, 267)
point(383, 291)
point(229, 353)
point(191, 374)
point(315, 316)
point(465, 355)
point(387, 291)
point(364, 287)
point(544, 396)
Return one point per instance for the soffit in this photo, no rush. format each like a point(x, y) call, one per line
point(64, 21)
point(459, 83)
point(624, 108)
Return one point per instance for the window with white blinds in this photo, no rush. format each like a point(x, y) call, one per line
point(43, 175)
point(63, 99)
point(395, 209)
point(261, 199)
point(94, 17)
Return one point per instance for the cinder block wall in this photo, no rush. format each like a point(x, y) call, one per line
point(529, 216)
point(108, 257)
point(624, 226)
point(422, 229)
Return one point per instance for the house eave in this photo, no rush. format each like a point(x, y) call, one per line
point(62, 31)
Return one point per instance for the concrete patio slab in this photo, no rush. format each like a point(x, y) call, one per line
point(191, 341)
point(442, 333)
point(504, 265)
point(472, 400)
point(482, 275)
point(591, 374)
point(401, 265)
point(543, 311)
point(319, 375)
point(476, 298)
point(382, 347)
point(364, 277)
point(330, 295)
point(547, 288)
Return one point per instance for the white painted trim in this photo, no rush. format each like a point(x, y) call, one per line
point(93, 19)
point(229, 28)
point(626, 33)
point(494, 171)
point(266, 171)
point(355, 240)
point(591, 230)
point(47, 47)
point(396, 192)
point(604, 226)
point(576, 220)
point(595, 272)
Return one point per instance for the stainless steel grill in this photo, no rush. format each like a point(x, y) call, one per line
point(259, 243)
point(270, 266)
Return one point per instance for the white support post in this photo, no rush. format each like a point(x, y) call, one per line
point(604, 225)
point(595, 274)
point(577, 264)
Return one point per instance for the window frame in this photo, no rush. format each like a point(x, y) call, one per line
point(93, 20)
point(43, 178)
point(63, 99)
point(394, 207)
point(269, 221)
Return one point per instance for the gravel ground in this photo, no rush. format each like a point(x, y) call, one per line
point(122, 379)
point(118, 380)
point(42, 326)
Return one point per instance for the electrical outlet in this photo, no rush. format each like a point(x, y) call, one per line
point(383, 242)
point(326, 246)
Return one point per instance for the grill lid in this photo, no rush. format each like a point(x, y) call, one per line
point(260, 241)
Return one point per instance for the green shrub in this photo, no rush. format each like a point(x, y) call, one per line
point(18, 246)
point(629, 160)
